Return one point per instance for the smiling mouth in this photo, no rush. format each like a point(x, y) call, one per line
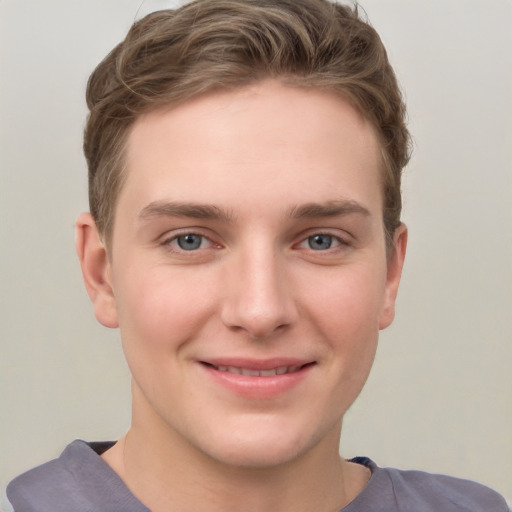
point(249, 372)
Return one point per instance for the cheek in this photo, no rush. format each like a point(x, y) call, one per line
point(348, 302)
point(159, 310)
point(346, 311)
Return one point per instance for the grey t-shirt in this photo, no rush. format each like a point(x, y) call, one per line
point(81, 481)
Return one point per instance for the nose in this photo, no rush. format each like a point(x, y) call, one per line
point(259, 295)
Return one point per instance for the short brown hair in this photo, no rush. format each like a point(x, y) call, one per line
point(171, 56)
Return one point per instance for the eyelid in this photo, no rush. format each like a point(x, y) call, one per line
point(171, 236)
point(337, 244)
point(343, 238)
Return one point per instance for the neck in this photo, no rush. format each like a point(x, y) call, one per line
point(165, 472)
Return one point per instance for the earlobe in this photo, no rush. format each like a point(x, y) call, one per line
point(96, 270)
point(394, 273)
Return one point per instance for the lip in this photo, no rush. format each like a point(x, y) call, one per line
point(258, 387)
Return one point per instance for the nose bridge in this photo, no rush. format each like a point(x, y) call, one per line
point(259, 298)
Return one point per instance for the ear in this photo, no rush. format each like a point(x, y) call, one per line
point(394, 272)
point(96, 270)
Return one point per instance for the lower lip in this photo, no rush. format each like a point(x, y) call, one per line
point(258, 388)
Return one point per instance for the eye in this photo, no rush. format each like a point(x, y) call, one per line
point(190, 241)
point(321, 242)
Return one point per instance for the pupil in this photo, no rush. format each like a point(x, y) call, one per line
point(189, 242)
point(320, 242)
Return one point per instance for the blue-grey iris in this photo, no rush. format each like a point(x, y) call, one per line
point(189, 242)
point(320, 242)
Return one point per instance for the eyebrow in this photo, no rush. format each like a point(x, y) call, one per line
point(328, 209)
point(207, 211)
point(189, 210)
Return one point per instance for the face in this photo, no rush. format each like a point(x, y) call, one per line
point(248, 270)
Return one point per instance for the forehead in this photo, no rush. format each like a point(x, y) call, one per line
point(285, 144)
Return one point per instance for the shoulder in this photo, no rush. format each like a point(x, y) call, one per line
point(79, 480)
point(420, 491)
point(436, 491)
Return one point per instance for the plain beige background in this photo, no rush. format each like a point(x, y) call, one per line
point(440, 396)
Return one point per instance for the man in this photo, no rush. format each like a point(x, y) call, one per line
point(244, 175)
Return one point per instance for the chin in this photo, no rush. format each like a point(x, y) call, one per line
point(264, 445)
point(255, 455)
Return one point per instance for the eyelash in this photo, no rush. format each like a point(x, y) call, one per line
point(337, 241)
point(172, 243)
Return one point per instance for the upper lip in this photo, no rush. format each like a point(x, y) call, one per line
point(257, 364)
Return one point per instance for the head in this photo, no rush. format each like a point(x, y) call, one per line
point(172, 56)
point(245, 160)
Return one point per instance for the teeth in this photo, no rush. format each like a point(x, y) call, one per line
point(281, 370)
point(250, 373)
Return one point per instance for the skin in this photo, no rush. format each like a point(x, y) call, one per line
point(288, 261)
